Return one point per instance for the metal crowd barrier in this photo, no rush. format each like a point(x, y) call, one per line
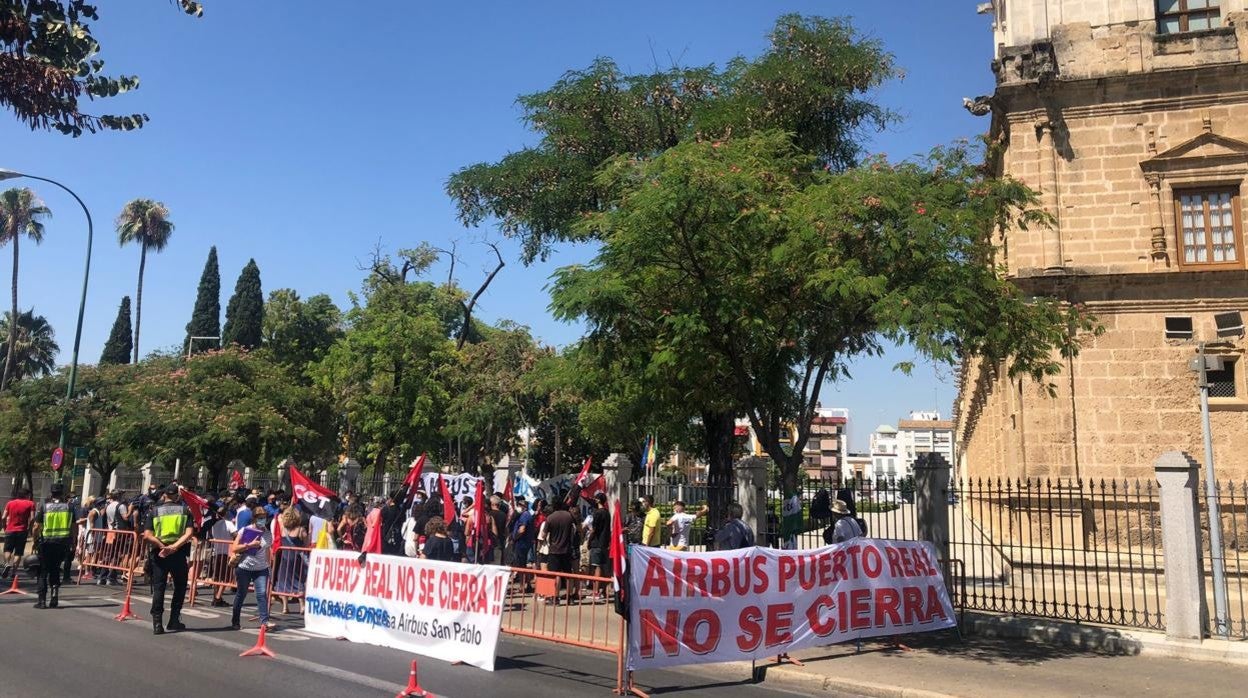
point(110, 556)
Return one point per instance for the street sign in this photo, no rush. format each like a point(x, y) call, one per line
point(81, 452)
point(58, 457)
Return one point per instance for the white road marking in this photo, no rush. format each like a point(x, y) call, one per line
point(303, 664)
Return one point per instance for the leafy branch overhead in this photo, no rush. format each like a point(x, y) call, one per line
point(811, 82)
point(49, 64)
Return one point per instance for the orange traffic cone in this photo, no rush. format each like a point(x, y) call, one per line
point(126, 613)
point(413, 689)
point(260, 650)
point(13, 589)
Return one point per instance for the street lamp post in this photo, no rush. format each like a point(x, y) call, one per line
point(82, 303)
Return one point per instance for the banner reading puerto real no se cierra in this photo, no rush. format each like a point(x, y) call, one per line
point(747, 604)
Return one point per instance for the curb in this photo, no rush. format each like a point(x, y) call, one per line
point(815, 683)
point(1104, 639)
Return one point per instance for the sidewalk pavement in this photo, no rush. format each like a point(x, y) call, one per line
point(939, 664)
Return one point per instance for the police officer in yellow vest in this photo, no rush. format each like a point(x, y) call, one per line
point(168, 528)
point(54, 528)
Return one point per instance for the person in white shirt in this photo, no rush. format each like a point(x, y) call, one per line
point(680, 523)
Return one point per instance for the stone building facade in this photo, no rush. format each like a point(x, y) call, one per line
point(1130, 117)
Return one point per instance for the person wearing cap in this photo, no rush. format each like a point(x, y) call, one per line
point(55, 526)
point(169, 530)
point(843, 527)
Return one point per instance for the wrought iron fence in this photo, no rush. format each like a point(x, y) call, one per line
point(884, 507)
point(1232, 500)
point(1085, 551)
point(716, 492)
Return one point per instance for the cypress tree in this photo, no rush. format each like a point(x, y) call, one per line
point(120, 341)
point(206, 319)
point(244, 316)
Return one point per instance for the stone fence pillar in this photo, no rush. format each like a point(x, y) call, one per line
point(1186, 609)
point(146, 469)
point(617, 470)
point(931, 501)
point(751, 473)
point(349, 476)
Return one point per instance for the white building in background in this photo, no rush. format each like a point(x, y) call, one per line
point(885, 454)
point(924, 432)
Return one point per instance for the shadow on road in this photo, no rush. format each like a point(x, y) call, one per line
point(984, 648)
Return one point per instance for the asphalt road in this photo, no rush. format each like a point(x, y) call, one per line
point(79, 650)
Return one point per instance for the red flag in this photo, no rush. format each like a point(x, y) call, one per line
point(580, 479)
point(448, 505)
point(619, 559)
point(507, 490)
point(197, 504)
point(412, 481)
point(275, 528)
point(593, 488)
point(236, 481)
point(313, 498)
point(413, 475)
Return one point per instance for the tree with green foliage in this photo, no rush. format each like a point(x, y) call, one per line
point(244, 315)
point(145, 223)
point(220, 406)
point(32, 351)
point(300, 332)
point(49, 62)
point(30, 421)
point(21, 214)
point(812, 82)
point(206, 318)
point(387, 372)
point(489, 394)
point(741, 265)
point(117, 348)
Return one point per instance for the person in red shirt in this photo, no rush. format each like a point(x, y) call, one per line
point(17, 516)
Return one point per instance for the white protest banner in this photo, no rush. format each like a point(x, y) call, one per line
point(444, 610)
point(690, 608)
point(461, 485)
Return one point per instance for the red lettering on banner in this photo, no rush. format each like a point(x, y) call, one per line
point(695, 577)
point(859, 609)
point(838, 566)
point(886, 604)
point(912, 605)
point(678, 570)
point(693, 624)
point(906, 563)
point(819, 624)
point(751, 632)
point(935, 608)
point(720, 579)
point(825, 569)
point(894, 562)
point(921, 558)
point(788, 566)
point(872, 563)
point(665, 634)
point(853, 551)
point(426, 586)
point(760, 575)
point(655, 578)
point(779, 621)
point(806, 573)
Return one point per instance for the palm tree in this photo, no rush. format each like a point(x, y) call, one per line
point(33, 350)
point(146, 222)
point(21, 213)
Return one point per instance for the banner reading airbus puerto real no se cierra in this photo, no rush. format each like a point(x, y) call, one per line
point(738, 605)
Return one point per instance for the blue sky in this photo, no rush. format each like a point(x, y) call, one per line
point(303, 137)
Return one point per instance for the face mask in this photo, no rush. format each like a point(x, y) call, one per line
point(261, 523)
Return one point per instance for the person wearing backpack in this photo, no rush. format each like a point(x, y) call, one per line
point(844, 527)
point(735, 533)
